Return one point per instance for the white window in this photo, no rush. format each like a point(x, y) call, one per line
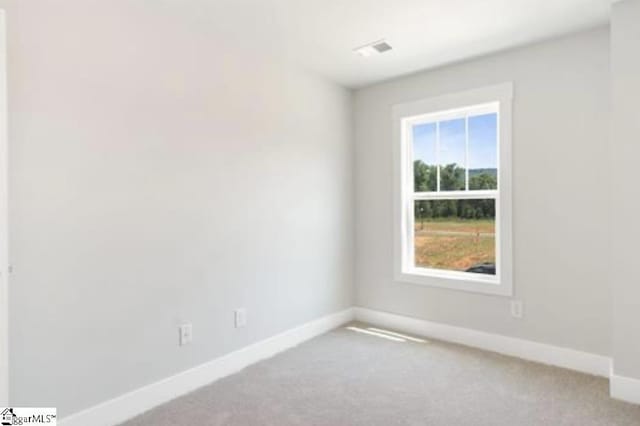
point(453, 191)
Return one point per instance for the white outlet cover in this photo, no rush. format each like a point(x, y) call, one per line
point(240, 317)
point(186, 334)
point(516, 309)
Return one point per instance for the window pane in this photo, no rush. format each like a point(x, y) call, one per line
point(456, 235)
point(424, 157)
point(452, 155)
point(483, 153)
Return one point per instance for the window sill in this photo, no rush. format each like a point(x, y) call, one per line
point(461, 281)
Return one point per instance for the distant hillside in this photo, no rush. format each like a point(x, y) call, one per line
point(476, 172)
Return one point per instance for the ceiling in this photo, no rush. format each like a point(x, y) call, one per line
point(424, 33)
point(321, 34)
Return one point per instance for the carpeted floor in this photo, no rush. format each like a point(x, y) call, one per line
point(361, 376)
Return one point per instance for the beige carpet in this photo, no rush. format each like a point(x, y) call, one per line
point(348, 377)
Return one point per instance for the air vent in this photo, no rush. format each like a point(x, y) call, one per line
point(376, 47)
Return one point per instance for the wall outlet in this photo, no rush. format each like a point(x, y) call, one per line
point(240, 317)
point(186, 334)
point(516, 309)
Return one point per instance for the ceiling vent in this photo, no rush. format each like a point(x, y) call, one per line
point(374, 48)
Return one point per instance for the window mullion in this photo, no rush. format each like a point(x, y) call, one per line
point(466, 152)
point(438, 156)
point(455, 195)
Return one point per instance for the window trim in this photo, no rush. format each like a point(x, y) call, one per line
point(439, 108)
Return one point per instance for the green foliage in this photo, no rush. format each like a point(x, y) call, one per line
point(424, 177)
point(461, 209)
point(482, 181)
point(452, 178)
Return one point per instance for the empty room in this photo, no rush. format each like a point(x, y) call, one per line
point(319, 212)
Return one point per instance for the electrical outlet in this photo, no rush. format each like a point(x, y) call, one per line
point(516, 309)
point(186, 334)
point(240, 317)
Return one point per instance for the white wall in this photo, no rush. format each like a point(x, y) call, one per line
point(625, 151)
point(4, 231)
point(561, 101)
point(163, 169)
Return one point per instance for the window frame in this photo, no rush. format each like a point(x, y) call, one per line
point(497, 99)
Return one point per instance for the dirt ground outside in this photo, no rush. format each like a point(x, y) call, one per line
point(454, 244)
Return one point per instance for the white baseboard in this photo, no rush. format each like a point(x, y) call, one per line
point(129, 405)
point(624, 388)
point(533, 351)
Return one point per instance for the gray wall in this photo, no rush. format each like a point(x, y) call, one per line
point(625, 152)
point(561, 100)
point(159, 175)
